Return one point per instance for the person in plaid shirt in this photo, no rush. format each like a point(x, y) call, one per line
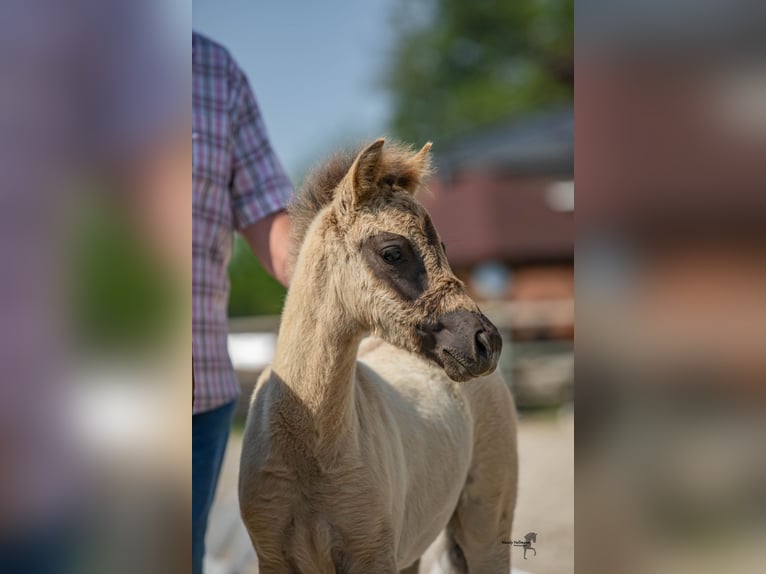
point(238, 184)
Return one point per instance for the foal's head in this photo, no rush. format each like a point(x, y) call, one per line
point(386, 263)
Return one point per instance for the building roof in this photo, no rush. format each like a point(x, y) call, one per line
point(539, 143)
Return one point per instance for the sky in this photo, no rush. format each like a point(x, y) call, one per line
point(316, 68)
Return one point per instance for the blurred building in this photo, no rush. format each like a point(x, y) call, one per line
point(503, 202)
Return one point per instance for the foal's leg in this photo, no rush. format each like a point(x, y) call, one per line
point(477, 529)
point(484, 514)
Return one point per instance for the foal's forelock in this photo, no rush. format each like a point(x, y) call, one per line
point(399, 168)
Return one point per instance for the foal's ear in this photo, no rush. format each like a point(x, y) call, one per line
point(368, 165)
point(369, 174)
point(423, 158)
point(361, 181)
point(408, 170)
point(421, 167)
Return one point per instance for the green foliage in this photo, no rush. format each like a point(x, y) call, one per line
point(253, 290)
point(122, 298)
point(460, 65)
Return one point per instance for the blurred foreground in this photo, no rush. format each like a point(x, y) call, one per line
point(95, 231)
point(671, 276)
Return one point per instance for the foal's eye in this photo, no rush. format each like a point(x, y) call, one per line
point(391, 254)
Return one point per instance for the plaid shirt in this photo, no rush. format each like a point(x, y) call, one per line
point(237, 180)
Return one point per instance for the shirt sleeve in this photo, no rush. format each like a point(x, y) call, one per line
point(259, 184)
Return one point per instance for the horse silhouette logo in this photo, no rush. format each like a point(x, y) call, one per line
point(526, 544)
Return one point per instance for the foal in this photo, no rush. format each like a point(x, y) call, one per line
point(355, 461)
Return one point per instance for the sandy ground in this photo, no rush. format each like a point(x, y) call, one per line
point(546, 493)
point(545, 504)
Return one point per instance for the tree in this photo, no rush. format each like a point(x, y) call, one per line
point(459, 65)
point(253, 290)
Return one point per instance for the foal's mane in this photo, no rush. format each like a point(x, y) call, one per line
point(316, 192)
point(319, 187)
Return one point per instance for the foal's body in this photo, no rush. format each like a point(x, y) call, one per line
point(424, 450)
point(356, 466)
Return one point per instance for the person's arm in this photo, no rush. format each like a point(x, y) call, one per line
point(269, 238)
point(260, 189)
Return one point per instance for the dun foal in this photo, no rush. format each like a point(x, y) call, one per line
point(354, 461)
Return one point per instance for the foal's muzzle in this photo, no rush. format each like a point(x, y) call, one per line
point(465, 344)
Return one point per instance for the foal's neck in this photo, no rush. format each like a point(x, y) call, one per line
point(317, 347)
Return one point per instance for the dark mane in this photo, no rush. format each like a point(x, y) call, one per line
point(315, 193)
point(318, 189)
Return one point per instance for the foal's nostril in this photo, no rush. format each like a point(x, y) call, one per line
point(482, 344)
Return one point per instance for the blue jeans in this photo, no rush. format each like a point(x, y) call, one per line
point(210, 431)
point(54, 549)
